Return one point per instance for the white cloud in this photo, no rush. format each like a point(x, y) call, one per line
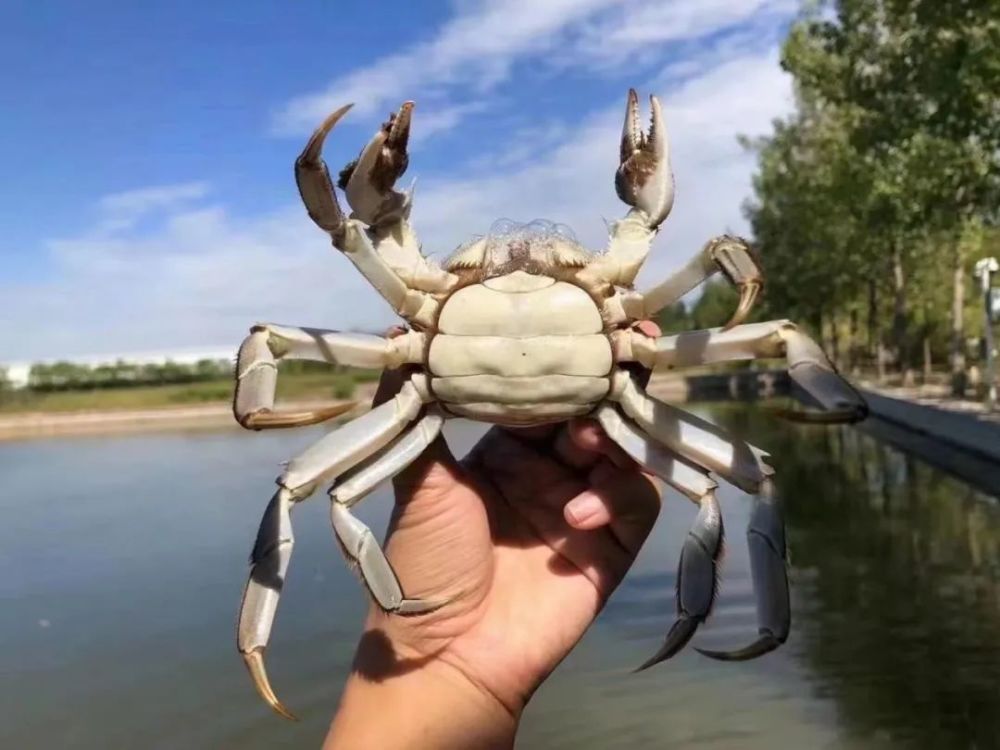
point(439, 118)
point(122, 210)
point(146, 199)
point(191, 274)
point(477, 48)
point(635, 27)
point(194, 276)
point(572, 182)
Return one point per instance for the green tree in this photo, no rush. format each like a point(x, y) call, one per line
point(715, 305)
point(674, 319)
point(873, 191)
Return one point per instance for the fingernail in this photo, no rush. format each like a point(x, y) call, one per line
point(584, 507)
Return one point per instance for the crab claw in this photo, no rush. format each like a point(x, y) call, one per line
point(644, 179)
point(313, 179)
point(697, 579)
point(368, 180)
point(766, 540)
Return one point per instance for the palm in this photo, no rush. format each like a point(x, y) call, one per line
point(490, 535)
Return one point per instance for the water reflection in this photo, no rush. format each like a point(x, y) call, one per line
point(124, 560)
point(896, 587)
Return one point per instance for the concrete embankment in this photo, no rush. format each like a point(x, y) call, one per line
point(963, 443)
point(956, 436)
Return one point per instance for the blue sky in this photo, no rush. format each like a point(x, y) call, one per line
point(149, 202)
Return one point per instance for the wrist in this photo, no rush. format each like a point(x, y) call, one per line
point(393, 701)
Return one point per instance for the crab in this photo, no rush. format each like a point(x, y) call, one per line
point(523, 327)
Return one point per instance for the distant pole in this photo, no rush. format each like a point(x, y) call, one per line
point(985, 269)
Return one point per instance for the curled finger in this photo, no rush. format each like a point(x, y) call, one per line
point(625, 501)
point(582, 444)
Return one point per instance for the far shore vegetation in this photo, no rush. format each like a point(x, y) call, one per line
point(69, 387)
point(874, 200)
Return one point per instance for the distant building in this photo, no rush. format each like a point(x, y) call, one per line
point(18, 372)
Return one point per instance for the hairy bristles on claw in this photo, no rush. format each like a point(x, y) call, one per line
point(344, 176)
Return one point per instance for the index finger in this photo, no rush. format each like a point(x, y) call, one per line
point(582, 443)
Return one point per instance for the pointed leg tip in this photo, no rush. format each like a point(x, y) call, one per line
point(662, 655)
point(677, 638)
point(280, 709)
point(801, 416)
point(413, 607)
point(258, 673)
point(338, 409)
point(763, 645)
point(749, 291)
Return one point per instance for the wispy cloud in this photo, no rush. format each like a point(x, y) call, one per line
point(438, 118)
point(571, 179)
point(190, 273)
point(122, 210)
point(476, 47)
point(637, 27)
point(476, 50)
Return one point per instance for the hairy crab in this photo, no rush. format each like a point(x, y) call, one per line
point(522, 327)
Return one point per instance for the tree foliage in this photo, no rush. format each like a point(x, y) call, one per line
point(66, 376)
point(875, 197)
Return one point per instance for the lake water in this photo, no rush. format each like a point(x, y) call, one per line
point(122, 561)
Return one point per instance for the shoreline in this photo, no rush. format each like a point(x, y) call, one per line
point(214, 416)
point(905, 408)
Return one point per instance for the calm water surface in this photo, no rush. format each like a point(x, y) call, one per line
point(122, 562)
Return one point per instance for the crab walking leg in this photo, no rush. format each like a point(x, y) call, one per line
point(697, 573)
point(353, 239)
point(331, 456)
point(726, 254)
point(768, 570)
point(808, 366)
point(691, 437)
point(357, 540)
point(696, 578)
point(257, 367)
point(268, 565)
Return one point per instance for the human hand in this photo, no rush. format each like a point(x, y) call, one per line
point(526, 539)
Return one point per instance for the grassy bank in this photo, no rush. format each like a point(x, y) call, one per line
point(291, 386)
